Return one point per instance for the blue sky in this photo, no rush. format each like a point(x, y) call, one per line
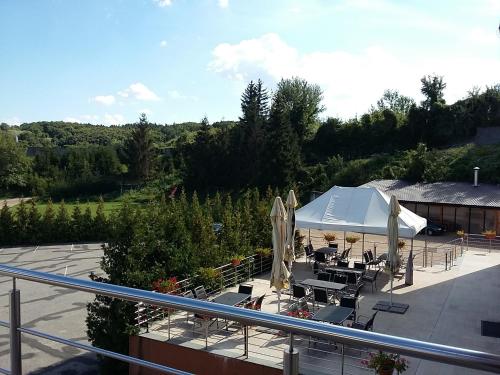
point(106, 61)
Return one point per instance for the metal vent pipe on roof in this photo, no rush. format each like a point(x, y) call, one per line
point(476, 176)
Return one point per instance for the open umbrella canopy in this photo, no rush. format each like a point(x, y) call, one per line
point(291, 203)
point(279, 272)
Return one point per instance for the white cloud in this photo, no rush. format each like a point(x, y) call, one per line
point(71, 119)
point(146, 111)
point(139, 91)
point(223, 3)
point(163, 43)
point(12, 121)
point(113, 119)
point(104, 99)
point(352, 82)
point(163, 3)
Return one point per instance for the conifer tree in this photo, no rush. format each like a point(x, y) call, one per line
point(77, 223)
point(140, 150)
point(101, 222)
point(7, 226)
point(22, 222)
point(62, 223)
point(34, 224)
point(87, 224)
point(49, 223)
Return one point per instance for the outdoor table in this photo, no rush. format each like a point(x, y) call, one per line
point(323, 284)
point(358, 273)
point(333, 314)
point(327, 250)
point(231, 298)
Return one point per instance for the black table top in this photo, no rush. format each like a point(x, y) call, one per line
point(344, 269)
point(327, 250)
point(333, 314)
point(231, 298)
point(323, 284)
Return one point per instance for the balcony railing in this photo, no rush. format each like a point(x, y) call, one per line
point(341, 335)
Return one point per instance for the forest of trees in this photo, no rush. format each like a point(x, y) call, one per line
point(280, 140)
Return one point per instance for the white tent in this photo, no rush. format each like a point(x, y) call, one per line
point(356, 209)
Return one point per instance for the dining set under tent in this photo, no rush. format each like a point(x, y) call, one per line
point(364, 210)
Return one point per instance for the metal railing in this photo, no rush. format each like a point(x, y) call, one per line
point(342, 335)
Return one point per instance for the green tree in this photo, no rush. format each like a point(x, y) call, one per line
point(140, 150)
point(62, 223)
point(34, 224)
point(7, 225)
point(88, 224)
point(22, 222)
point(100, 222)
point(14, 165)
point(77, 227)
point(49, 223)
point(432, 88)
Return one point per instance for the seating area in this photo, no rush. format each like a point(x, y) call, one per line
point(337, 291)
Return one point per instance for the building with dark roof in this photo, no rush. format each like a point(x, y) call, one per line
point(457, 205)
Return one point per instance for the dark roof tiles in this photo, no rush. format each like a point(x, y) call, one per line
point(457, 193)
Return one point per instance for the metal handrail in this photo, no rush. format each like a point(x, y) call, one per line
point(415, 348)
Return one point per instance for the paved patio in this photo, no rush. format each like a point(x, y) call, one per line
point(445, 307)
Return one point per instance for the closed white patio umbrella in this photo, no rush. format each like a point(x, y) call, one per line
point(393, 236)
point(279, 272)
point(291, 203)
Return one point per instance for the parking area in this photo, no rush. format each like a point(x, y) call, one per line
point(53, 310)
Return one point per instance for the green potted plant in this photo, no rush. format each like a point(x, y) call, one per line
point(385, 363)
point(352, 239)
point(330, 237)
point(236, 260)
point(490, 234)
point(263, 252)
point(166, 285)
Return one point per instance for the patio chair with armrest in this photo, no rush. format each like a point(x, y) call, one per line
point(366, 325)
point(340, 256)
point(320, 258)
point(372, 261)
point(350, 302)
point(352, 278)
point(320, 296)
point(309, 253)
point(299, 292)
point(371, 277)
point(200, 292)
point(245, 289)
point(354, 292)
point(340, 278)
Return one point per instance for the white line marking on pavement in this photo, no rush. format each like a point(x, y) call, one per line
point(71, 248)
point(36, 248)
point(66, 271)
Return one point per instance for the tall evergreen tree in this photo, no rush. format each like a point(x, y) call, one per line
point(7, 226)
point(140, 150)
point(100, 222)
point(49, 223)
point(77, 230)
point(62, 223)
point(22, 221)
point(254, 108)
point(34, 220)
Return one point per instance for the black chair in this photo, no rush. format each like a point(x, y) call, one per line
point(371, 278)
point(342, 256)
point(258, 303)
point(324, 276)
point(340, 278)
point(299, 292)
point(352, 278)
point(365, 326)
point(372, 261)
point(245, 289)
point(343, 264)
point(359, 266)
point(320, 257)
point(309, 253)
point(320, 296)
point(350, 302)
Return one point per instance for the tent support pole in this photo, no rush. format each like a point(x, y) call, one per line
point(344, 240)
point(363, 248)
point(309, 236)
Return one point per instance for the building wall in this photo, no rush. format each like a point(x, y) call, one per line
point(191, 360)
point(469, 219)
